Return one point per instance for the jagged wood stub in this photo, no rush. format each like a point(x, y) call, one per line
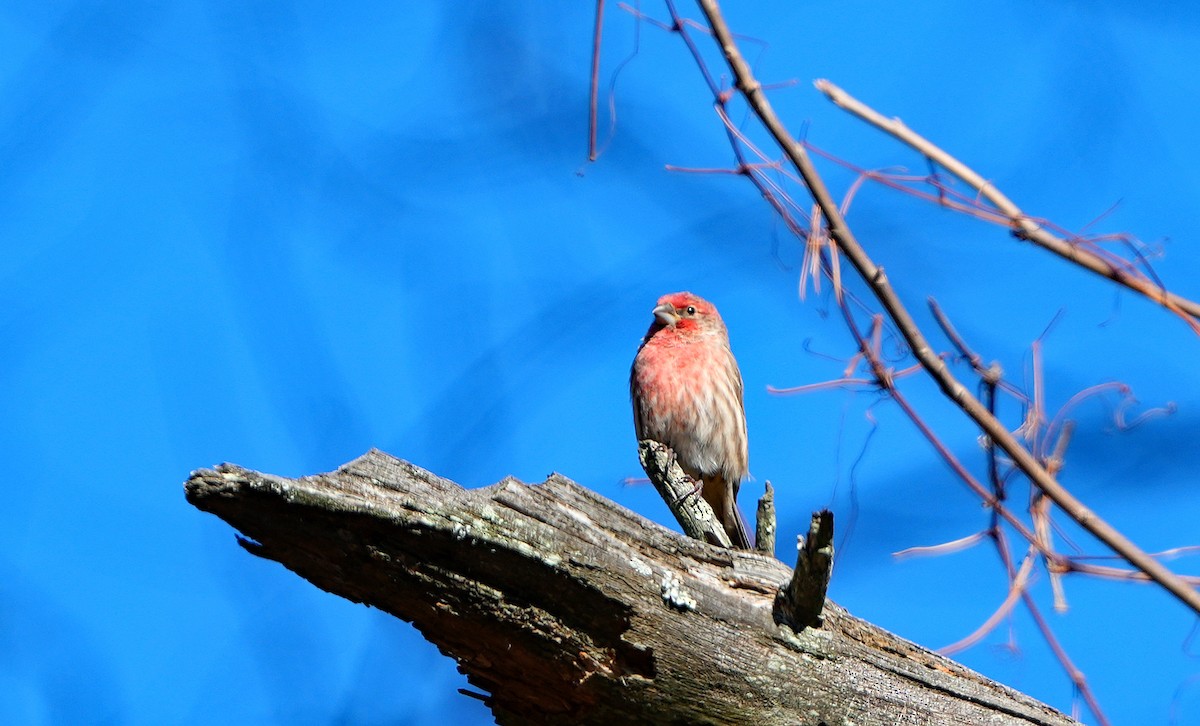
point(568, 608)
point(764, 529)
point(800, 602)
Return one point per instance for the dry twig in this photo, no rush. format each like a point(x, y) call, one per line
point(1023, 226)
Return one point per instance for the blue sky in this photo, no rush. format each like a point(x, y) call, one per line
point(279, 234)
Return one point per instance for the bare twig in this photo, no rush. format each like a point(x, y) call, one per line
point(886, 380)
point(1119, 573)
point(595, 84)
point(1040, 510)
point(1076, 675)
point(1023, 226)
point(1168, 554)
point(945, 548)
point(1015, 590)
point(875, 278)
point(990, 380)
point(991, 374)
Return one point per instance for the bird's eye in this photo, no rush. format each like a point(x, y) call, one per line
point(691, 310)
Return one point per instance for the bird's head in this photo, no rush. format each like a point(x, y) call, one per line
point(685, 312)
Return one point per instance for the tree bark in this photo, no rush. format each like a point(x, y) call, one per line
point(567, 608)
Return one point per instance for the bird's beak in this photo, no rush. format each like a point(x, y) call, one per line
point(666, 314)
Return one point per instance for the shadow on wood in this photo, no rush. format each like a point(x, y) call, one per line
point(567, 608)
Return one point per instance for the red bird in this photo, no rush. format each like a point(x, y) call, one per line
point(687, 394)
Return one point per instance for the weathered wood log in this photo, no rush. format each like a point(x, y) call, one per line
point(567, 608)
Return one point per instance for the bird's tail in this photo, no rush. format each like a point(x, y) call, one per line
point(723, 499)
point(735, 527)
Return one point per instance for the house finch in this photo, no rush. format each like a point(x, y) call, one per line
point(687, 394)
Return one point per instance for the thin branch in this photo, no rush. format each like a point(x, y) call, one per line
point(875, 278)
point(885, 380)
point(681, 494)
point(945, 548)
point(1040, 510)
point(1015, 590)
point(595, 84)
point(990, 375)
point(1169, 554)
point(840, 383)
point(1118, 573)
point(1023, 226)
point(1073, 672)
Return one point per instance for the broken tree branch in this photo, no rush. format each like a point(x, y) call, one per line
point(567, 608)
point(1023, 226)
point(801, 601)
point(681, 494)
point(764, 528)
